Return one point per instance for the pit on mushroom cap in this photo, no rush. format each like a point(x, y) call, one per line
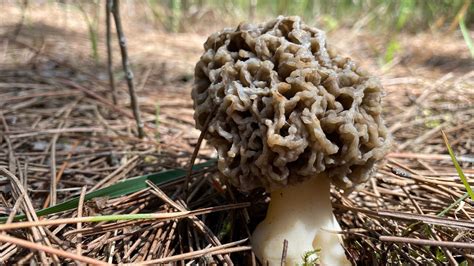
point(290, 110)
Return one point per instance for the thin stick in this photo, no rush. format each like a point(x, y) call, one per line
point(12, 214)
point(7, 252)
point(463, 224)
point(61, 170)
point(430, 228)
point(198, 146)
point(79, 225)
point(92, 219)
point(198, 253)
point(284, 252)
point(38, 233)
point(197, 222)
point(126, 68)
point(446, 157)
point(22, 261)
point(11, 153)
point(138, 216)
point(123, 168)
point(108, 9)
point(96, 96)
point(58, 252)
point(54, 175)
point(426, 242)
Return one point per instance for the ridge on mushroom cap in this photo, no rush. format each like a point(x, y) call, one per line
point(288, 107)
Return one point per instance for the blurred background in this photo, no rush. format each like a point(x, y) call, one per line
point(388, 31)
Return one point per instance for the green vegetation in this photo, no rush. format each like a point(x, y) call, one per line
point(125, 187)
point(93, 27)
point(389, 17)
point(311, 258)
point(411, 15)
point(385, 17)
point(467, 38)
point(458, 167)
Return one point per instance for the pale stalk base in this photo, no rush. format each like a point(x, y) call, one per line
point(298, 213)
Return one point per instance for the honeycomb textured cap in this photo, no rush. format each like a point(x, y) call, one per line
point(287, 107)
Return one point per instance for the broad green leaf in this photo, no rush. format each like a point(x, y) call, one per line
point(124, 187)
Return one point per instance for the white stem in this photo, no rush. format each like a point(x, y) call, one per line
point(298, 214)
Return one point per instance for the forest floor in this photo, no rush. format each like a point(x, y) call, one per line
point(61, 136)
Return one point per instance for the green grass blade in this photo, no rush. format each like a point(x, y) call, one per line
point(467, 37)
point(454, 204)
point(457, 166)
point(393, 48)
point(405, 12)
point(125, 187)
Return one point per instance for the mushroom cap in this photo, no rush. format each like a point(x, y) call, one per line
point(287, 107)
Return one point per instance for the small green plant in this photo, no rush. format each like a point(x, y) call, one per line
point(175, 17)
point(93, 28)
point(393, 48)
point(405, 13)
point(168, 14)
point(330, 22)
point(440, 256)
point(226, 228)
point(311, 258)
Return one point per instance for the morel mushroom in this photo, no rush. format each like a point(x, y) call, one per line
point(291, 116)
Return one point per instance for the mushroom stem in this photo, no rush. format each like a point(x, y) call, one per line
point(301, 214)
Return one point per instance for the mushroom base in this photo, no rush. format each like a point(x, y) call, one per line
point(301, 214)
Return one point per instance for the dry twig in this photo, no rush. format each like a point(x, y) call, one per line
point(126, 67)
